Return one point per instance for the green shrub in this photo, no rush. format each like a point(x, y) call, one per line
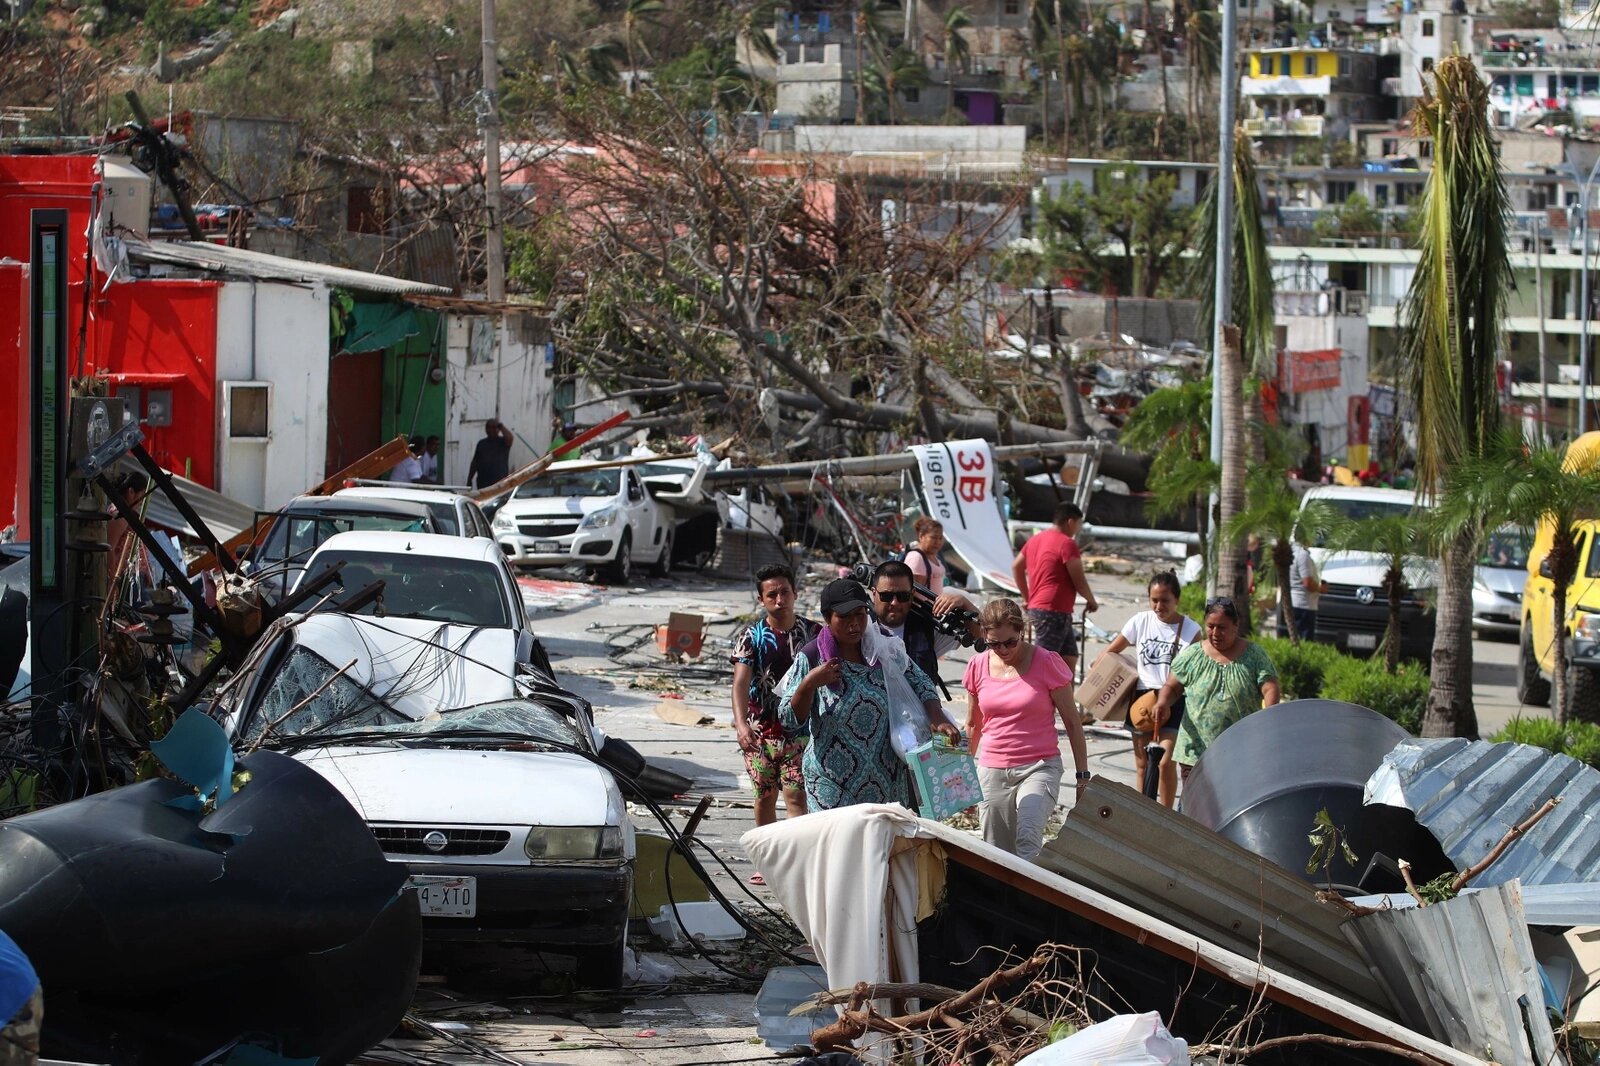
point(1401, 697)
point(1192, 600)
point(1543, 733)
point(1301, 667)
point(1583, 742)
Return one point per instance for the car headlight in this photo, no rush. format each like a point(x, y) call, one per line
point(1588, 627)
point(605, 516)
point(574, 842)
point(503, 522)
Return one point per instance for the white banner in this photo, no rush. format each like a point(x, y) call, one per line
point(958, 488)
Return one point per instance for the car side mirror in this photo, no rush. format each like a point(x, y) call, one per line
point(1544, 567)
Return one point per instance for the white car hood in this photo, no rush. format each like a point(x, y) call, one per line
point(556, 506)
point(1368, 568)
point(418, 666)
point(447, 786)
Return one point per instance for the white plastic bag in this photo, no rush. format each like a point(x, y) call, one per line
point(909, 727)
point(1126, 1040)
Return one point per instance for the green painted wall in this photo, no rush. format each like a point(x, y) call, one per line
point(412, 404)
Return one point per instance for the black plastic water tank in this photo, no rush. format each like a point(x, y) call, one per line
point(1262, 782)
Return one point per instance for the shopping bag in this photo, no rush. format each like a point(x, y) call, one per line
point(947, 778)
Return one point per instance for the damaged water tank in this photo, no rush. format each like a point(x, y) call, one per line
point(1263, 781)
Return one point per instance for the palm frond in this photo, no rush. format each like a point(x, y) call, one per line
point(1252, 297)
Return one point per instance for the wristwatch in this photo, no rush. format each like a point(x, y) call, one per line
point(1084, 775)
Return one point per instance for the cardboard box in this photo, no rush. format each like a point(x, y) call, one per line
point(682, 635)
point(1105, 693)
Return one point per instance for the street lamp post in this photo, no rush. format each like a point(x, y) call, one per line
point(1585, 185)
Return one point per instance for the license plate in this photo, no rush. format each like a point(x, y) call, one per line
point(1362, 641)
point(446, 897)
point(547, 547)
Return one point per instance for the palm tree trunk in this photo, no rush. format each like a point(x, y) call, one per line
point(1256, 415)
point(1230, 500)
point(861, 73)
point(1450, 711)
point(1558, 604)
point(1394, 584)
point(1282, 558)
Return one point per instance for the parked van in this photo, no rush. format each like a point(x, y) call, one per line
point(1581, 628)
point(1354, 612)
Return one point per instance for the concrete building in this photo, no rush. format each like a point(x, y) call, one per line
point(1300, 99)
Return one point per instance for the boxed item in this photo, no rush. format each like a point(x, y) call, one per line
point(1105, 693)
point(682, 635)
point(947, 779)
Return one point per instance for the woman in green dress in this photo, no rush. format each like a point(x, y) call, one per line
point(1221, 679)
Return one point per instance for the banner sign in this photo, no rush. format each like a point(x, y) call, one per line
point(1311, 371)
point(958, 483)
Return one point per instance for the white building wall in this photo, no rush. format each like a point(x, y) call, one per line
point(277, 334)
point(512, 384)
point(1328, 409)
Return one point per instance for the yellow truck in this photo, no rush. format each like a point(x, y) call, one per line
point(1580, 629)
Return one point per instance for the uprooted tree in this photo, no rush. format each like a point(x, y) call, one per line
point(708, 286)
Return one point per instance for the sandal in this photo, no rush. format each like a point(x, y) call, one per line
point(757, 879)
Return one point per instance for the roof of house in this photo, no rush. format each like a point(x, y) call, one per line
point(221, 259)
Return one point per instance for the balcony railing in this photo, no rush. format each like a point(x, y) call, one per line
point(1305, 126)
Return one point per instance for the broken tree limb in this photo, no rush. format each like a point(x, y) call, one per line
point(859, 1019)
point(1231, 1053)
point(1513, 834)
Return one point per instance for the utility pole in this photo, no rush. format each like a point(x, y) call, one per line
point(1223, 306)
point(489, 120)
point(1538, 295)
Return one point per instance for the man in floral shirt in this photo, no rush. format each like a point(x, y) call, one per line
point(761, 656)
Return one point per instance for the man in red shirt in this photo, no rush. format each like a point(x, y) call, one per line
point(1049, 576)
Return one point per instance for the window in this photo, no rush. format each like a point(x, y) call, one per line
point(1427, 27)
point(1391, 146)
point(1344, 66)
point(1427, 64)
point(1340, 191)
point(1308, 66)
point(1425, 149)
point(1406, 192)
point(912, 95)
point(247, 410)
point(1380, 195)
point(365, 209)
point(1013, 7)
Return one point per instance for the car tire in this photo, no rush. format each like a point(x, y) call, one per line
point(601, 970)
point(620, 569)
point(1583, 693)
point(1533, 688)
point(662, 567)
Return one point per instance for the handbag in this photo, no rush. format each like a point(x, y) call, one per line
point(1144, 715)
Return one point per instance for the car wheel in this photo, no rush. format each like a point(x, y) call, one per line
point(1583, 693)
point(601, 969)
point(1532, 687)
point(620, 569)
point(663, 564)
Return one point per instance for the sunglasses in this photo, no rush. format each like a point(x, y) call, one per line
point(1005, 645)
point(900, 596)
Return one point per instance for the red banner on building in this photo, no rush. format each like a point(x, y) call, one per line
point(1310, 371)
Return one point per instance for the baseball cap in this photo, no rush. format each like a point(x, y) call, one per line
point(843, 596)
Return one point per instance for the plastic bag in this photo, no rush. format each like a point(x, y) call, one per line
point(908, 727)
point(1126, 1040)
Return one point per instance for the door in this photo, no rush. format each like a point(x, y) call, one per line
point(641, 516)
point(355, 407)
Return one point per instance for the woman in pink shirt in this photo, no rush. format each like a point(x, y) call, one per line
point(1015, 693)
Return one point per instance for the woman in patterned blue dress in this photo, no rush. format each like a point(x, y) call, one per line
point(843, 697)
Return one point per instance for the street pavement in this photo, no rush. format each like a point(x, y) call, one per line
point(602, 644)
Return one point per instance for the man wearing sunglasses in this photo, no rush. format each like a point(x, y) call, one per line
point(892, 597)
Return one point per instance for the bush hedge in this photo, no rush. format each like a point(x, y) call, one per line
point(1311, 670)
point(1581, 740)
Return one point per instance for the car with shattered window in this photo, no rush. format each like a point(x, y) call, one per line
point(276, 561)
point(473, 767)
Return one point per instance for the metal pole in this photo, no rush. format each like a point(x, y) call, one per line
point(1223, 309)
point(1583, 336)
point(493, 242)
point(1538, 295)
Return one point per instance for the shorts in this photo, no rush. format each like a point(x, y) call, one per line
point(775, 764)
point(1169, 726)
point(1054, 631)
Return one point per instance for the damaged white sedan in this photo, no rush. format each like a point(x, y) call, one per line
point(440, 723)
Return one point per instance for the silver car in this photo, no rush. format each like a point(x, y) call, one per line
point(1497, 582)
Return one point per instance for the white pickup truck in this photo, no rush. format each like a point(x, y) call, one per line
point(586, 514)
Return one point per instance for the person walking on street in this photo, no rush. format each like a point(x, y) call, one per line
point(491, 459)
point(762, 655)
point(1015, 693)
point(1049, 576)
point(927, 569)
point(1157, 636)
point(1305, 587)
point(892, 597)
point(1221, 679)
point(844, 698)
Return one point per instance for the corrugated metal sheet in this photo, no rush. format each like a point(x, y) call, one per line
point(1557, 905)
point(239, 262)
point(224, 516)
point(1468, 794)
point(1134, 850)
point(1464, 972)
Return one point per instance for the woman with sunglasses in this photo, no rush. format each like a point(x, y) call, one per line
point(1015, 693)
point(1157, 636)
point(1221, 679)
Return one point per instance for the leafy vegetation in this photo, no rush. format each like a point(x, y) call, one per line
point(1311, 670)
point(1581, 740)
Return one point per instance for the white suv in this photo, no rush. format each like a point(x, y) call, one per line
point(596, 516)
